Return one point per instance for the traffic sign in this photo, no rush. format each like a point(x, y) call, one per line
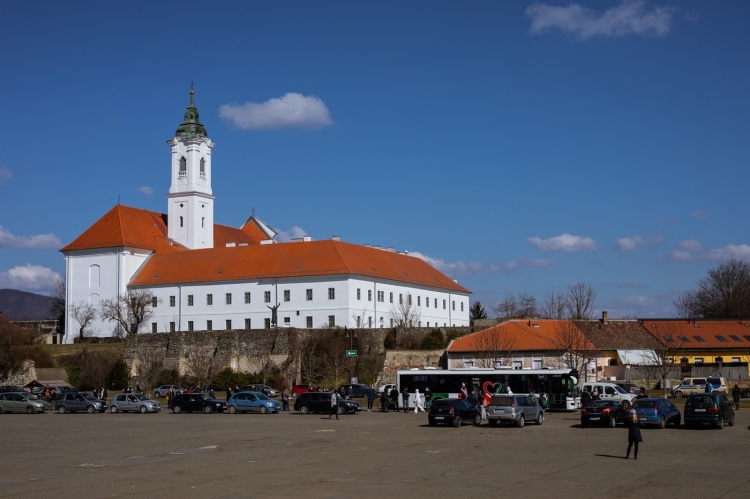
point(351, 353)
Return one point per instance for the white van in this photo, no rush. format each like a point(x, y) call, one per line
point(607, 391)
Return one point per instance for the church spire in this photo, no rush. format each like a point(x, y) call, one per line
point(191, 127)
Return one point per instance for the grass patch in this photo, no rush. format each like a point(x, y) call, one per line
point(61, 350)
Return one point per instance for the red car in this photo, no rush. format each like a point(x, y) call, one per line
point(299, 389)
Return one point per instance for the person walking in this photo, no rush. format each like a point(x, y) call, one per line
point(405, 398)
point(285, 400)
point(229, 393)
point(634, 434)
point(464, 391)
point(427, 398)
point(585, 398)
point(709, 387)
point(394, 398)
point(334, 404)
point(371, 396)
point(170, 396)
point(736, 397)
point(383, 401)
point(418, 402)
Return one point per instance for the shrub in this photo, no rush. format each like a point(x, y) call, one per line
point(119, 375)
point(433, 341)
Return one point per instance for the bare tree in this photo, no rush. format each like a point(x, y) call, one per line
point(84, 314)
point(333, 356)
point(199, 357)
point(522, 306)
point(406, 319)
point(266, 351)
point(665, 357)
point(572, 345)
point(580, 301)
point(149, 360)
point(310, 363)
point(724, 293)
point(492, 347)
point(554, 305)
point(128, 311)
point(57, 306)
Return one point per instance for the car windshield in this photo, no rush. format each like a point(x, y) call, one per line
point(600, 403)
point(700, 400)
point(441, 403)
point(644, 404)
point(203, 396)
point(262, 396)
point(141, 396)
point(89, 396)
point(502, 401)
point(619, 389)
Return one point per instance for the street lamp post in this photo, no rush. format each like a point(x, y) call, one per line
point(351, 335)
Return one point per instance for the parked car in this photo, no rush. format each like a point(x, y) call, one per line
point(453, 412)
point(133, 402)
point(190, 402)
point(11, 388)
point(745, 392)
point(698, 385)
point(252, 402)
point(359, 390)
point(708, 408)
point(21, 402)
point(657, 411)
point(515, 409)
point(74, 402)
point(162, 390)
point(92, 398)
point(386, 388)
point(315, 402)
point(604, 412)
point(271, 392)
point(629, 388)
point(297, 390)
point(608, 391)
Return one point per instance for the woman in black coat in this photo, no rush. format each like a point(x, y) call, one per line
point(634, 434)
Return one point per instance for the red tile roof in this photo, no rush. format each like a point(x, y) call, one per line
point(299, 259)
point(709, 331)
point(526, 335)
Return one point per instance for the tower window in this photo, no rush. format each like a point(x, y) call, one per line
point(183, 167)
point(203, 168)
point(203, 222)
point(181, 221)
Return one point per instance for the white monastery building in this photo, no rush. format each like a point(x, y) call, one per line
point(206, 276)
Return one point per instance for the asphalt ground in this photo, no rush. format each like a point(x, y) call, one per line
point(362, 455)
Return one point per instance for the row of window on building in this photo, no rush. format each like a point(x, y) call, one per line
point(309, 297)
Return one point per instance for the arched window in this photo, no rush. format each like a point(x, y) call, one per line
point(203, 222)
point(183, 167)
point(94, 276)
point(203, 166)
point(180, 221)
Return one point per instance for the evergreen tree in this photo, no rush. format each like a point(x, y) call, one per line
point(476, 311)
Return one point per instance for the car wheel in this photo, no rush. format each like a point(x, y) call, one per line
point(611, 423)
point(232, 409)
point(90, 409)
point(540, 418)
point(157, 394)
point(662, 422)
point(730, 423)
point(207, 409)
point(678, 394)
point(477, 420)
point(61, 409)
point(304, 409)
point(29, 410)
point(457, 422)
point(113, 409)
point(339, 410)
point(263, 409)
point(521, 421)
point(492, 422)
point(720, 424)
point(176, 409)
point(294, 395)
point(143, 409)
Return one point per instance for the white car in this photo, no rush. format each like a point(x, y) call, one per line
point(608, 391)
point(133, 402)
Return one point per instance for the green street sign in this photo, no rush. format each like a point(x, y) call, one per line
point(351, 353)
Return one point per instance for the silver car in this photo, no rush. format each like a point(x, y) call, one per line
point(21, 402)
point(133, 402)
point(161, 391)
point(515, 409)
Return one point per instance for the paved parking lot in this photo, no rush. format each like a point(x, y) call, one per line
point(364, 455)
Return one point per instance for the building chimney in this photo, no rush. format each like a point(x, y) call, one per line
point(605, 316)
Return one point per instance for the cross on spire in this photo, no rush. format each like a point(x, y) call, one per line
point(192, 85)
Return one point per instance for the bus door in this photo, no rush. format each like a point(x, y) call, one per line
point(558, 390)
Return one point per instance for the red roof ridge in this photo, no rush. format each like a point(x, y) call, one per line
point(538, 334)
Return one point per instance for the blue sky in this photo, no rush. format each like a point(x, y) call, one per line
point(519, 147)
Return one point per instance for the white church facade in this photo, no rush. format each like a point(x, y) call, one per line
point(207, 276)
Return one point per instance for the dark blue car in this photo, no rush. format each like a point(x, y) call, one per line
point(657, 411)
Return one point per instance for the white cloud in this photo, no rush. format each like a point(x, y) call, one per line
point(565, 242)
point(284, 236)
point(637, 242)
point(144, 189)
point(29, 277)
point(41, 241)
point(693, 251)
point(630, 17)
point(451, 269)
point(699, 214)
point(512, 265)
point(5, 175)
point(293, 110)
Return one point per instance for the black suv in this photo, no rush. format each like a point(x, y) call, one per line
point(189, 402)
point(454, 412)
point(708, 408)
point(359, 390)
point(313, 402)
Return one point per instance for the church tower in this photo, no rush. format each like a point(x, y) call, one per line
point(191, 203)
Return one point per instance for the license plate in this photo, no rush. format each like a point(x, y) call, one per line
point(700, 410)
point(643, 419)
point(594, 419)
point(438, 417)
point(500, 410)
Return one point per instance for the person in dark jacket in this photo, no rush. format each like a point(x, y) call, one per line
point(427, 397)
point(643, 394)
point(371, 396)
point(394, 398)
point(383, 401)
point(634, 433)
point(736, 397)
point(405, 398)
point(585, 398)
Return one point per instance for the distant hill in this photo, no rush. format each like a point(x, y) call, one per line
point(20, 305)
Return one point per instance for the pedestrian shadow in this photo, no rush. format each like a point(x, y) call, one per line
point(610, 455)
